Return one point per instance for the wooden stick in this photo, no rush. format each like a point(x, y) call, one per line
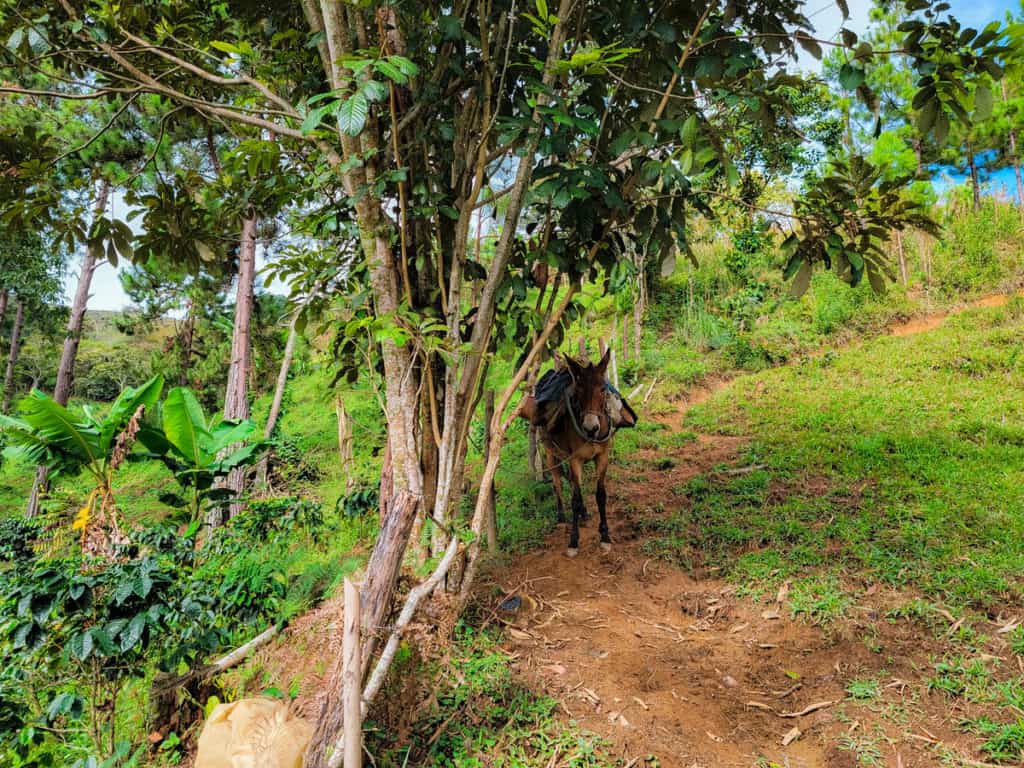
point(352, 679)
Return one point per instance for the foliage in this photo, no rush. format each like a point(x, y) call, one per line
point(198, 452)
point(477, 709)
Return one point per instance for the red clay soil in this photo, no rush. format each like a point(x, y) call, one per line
point(681, 670)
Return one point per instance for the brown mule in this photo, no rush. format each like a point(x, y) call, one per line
point(573, 431)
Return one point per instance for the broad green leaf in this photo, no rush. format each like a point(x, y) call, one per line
point(185, 426)
point(55, 427)
point(133, 634)
point(353, 113)
point(227, 433)
point(850, 76)
point(315, 116)
point(802, 281)
point(81, 645)
point(982, 103)
point(125, 406)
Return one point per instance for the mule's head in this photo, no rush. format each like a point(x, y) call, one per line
point(590, 382)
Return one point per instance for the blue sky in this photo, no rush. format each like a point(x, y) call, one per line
point(106, 288)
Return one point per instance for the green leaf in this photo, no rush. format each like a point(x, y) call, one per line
point(390, 71)
point(850, 77)
point(81, 646)
point(131, 636)
point(314, 116)
point(926, 117)
point(982, 103)
point(353, 113)
point(125, 406)
point(220, 45)
point(185, 426)
point(802, 281)
point(407, 66)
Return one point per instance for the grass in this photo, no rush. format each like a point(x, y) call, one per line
point(477, 714)
point(901, 461)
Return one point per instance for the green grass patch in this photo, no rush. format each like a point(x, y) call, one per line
point(479, 715)
point(900, 460)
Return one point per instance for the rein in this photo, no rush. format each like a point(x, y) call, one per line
point(579, 430)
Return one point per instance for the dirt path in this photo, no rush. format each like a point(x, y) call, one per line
point(929, 322)
point(682, 670)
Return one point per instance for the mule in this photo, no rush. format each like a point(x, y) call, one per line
point(575, 429)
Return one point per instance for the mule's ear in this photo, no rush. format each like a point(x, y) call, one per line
point(573, 365)
point(602, 364)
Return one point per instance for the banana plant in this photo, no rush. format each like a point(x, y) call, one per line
point(67, 443)
point(198, 452)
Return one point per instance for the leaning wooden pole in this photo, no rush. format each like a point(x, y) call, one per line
point(352, 677)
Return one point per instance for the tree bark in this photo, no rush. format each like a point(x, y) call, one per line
point(187, 343)
point(279, 387)
point(66, 368)
point(12, 355)
point(492, 505)
point(375, 601)
point(236, 398)
point(282, 379)
point(352, 675)
point(904, 277)
point(975, 184)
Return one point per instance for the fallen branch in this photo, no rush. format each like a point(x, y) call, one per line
point(164, 690)
point(809, 708)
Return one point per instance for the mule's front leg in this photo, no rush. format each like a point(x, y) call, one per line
point(555, 475)
point(602, 498)
point(578, 509)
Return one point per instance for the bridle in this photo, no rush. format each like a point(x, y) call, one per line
point(576, 425)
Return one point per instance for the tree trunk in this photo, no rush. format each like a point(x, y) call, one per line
point(638, 321)
point(12, 355)
point(625, 338)
point(492, 506)
point(973, 166)
point(187, 343)
point(282, 382)
point(236, 398)
point(66, 368)
point(352, 680)
point(904, 278)
point(375, 602)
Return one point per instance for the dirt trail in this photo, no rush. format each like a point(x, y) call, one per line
point(929, 322)
point(681, 669)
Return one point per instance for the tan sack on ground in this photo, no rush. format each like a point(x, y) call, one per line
point(253, 733)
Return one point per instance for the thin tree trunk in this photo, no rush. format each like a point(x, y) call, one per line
point(904, 278)
point(638, 322)
point(625, 338)
point(66, 368)
point(236, 398)
point(344, 442)
point(1014, 157)
point(187, 343)
point(492, 506)
point(352, 680)
point(12, 355)
point(282, 378)
point(975, 184)
point(282, 382)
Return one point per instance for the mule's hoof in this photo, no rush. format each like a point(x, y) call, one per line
point(572, 552)
point(606, 546)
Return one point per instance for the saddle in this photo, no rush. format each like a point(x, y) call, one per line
point(549, 402)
